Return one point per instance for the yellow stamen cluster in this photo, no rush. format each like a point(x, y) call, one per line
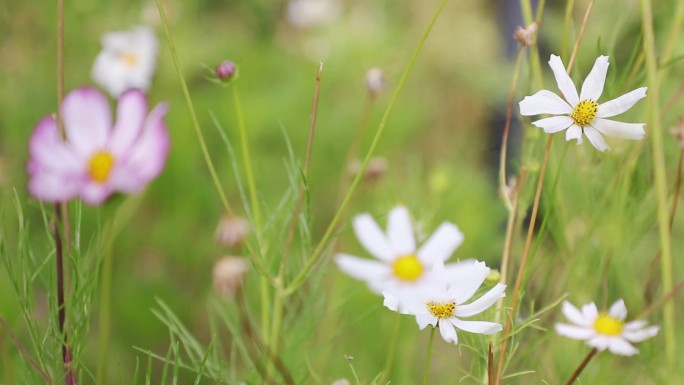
point(131, 60)
point(585, 112)
point(408, 268)
point(100, 166)
point(608, 325)
point(442, 310)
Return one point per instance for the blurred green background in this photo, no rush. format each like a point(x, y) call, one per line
point(439, 143)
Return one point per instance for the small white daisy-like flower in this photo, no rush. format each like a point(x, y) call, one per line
point(442, 303)
point(605, 330)
point(400, 264)
point(127, 60)
point(582, 114)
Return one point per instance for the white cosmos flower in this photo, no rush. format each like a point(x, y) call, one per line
point(582, 114)
point(605, 330)
point(312, 13)
point(401, 265)
point(443, 303)
point(127, 60)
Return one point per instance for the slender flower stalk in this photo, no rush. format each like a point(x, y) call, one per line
point(428, 357)
point(323, 243)
point(659, 176)
point(581, 366)
point(533, 219)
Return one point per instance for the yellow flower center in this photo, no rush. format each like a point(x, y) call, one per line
point(608, 325)
point(442, 310)
point(100, 165)
point(585, 112)
point(130, 59)
point(408, 268)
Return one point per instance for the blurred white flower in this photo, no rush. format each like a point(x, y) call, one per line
point(442, 302)
point(605, 330)
point(375, 81)
point(228, 275)
point(311, 13)
point(402, 266)
point(581, 114)
point(128, 60)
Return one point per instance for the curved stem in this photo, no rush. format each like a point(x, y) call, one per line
point(323, 244)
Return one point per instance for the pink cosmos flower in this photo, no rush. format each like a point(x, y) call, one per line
point(97, 158)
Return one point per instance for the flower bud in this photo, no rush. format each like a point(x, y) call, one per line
point(341, 381)
point(377, 167)
point(226, 70)
point(525, 36)
point(232, 231)
point(227, 275)
point(375, 81)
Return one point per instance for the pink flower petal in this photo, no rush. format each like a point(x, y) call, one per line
point(49, 151)
point(148, 155)
point(95, 193)
point(87, 119)
point(130, 118)
point(53, 187)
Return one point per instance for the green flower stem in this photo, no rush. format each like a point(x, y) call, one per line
point(193, 114)
point(581, 367)
point(392, 351)
point(659, 176)
point(569, 6)
point(323, 244)
point(428, 357)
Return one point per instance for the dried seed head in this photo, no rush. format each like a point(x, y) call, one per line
point(227, 275)
point(375, 81)
point(678, 132)
point(525, 36)
point(232, 231)
point(226, 70)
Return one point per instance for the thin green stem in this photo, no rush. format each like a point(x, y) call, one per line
point(569, 6)
point(105, 308)
point(193, 114)
point(247, 160)
point(507, 127)
point(428, 357)
point(323, 244)
point(659, 178)
point(392, 351)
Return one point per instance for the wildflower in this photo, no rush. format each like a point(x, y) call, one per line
point(605, 330)
point(400, 264)
point(127, 60)
point(227, 275)
point(226, 70)
point(97, 159)
point(375, 81)
point(311, 13)
point(582, 114)
point(232, 231)
point(443, 302)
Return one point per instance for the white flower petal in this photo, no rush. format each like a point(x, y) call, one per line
point(635, 325)
point(574, 132)
point(446, 329)
point(554, 123)
point(618, 310)
point(482, 303)
point(391, 301)
point(479, 327)
point(619, 346)
point(441, 244)
point(621, 104)
point(544, 102)
point(458, 271)
point(371, 237)
point(599, 342)
point(400, 231)
point(575, 332)
point(634, 131)
point(424, 320)
point(592, 88)
point(596, 139)
point(640, 335)
point(362, 269)
point(574, 315)
point(590, 312)
point(565, 84)
point(464, 289)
